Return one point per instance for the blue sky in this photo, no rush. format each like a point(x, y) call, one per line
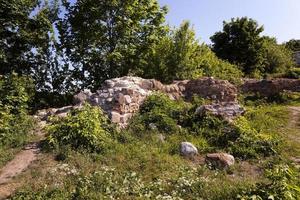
point(281, 18)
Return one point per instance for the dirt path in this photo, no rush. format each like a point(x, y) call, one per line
point(19, 164)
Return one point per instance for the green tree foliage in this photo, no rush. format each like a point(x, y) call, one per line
point(277, 58)
point(293, 45)
point(240, 43)
point(15, 93)
point(184, 54)
point(109, 38)
point(28, 45)
point(179, 55)
point(21, 33)
point(83, 129)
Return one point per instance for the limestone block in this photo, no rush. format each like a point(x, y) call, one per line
point(115, 117)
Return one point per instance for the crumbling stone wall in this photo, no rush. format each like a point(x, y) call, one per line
point(120, 98)
point(217, 90)
point(269, 88)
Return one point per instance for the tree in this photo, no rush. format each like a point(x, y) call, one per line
point(22, 32)
point(109, 38)
point(179, 55)
point(240, 43)
point(277, 58)
point(293, 45)
point(185, 53)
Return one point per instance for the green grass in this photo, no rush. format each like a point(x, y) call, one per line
point(138, 165)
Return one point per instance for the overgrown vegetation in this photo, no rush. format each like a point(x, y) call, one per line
point(84, 129)
point(143, 161)
point(15, 124)
point(179, 55)
point(50, 50)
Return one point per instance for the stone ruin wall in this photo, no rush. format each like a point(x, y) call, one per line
point(269, 88)
point(120, 98)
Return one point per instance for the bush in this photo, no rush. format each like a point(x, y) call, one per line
point(277, 58)
point(218, 68)
point(238, 138)
point(83, 129)
point(15, 94)
point(180, 56)
point(161, 112)
point(14, 129)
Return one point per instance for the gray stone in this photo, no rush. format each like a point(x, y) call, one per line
point(188, 149)
point(109, 83)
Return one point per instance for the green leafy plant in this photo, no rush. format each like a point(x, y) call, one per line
point(15, 94)
point(161, 113)
point(86, 129)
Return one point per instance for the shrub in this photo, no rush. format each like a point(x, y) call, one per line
point(180, 56)
point(15, 94)
point(238, 138)
point(84, 129)
point(250, 143)
point(218, 68)
point(160, 111)
point(14, 129)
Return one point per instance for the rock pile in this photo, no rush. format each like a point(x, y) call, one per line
point(120, 98)
point(59, 112)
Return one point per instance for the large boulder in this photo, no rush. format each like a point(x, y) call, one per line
point(188, 150)
point(219, 160)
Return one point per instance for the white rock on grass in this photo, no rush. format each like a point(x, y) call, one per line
point(187, 149)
